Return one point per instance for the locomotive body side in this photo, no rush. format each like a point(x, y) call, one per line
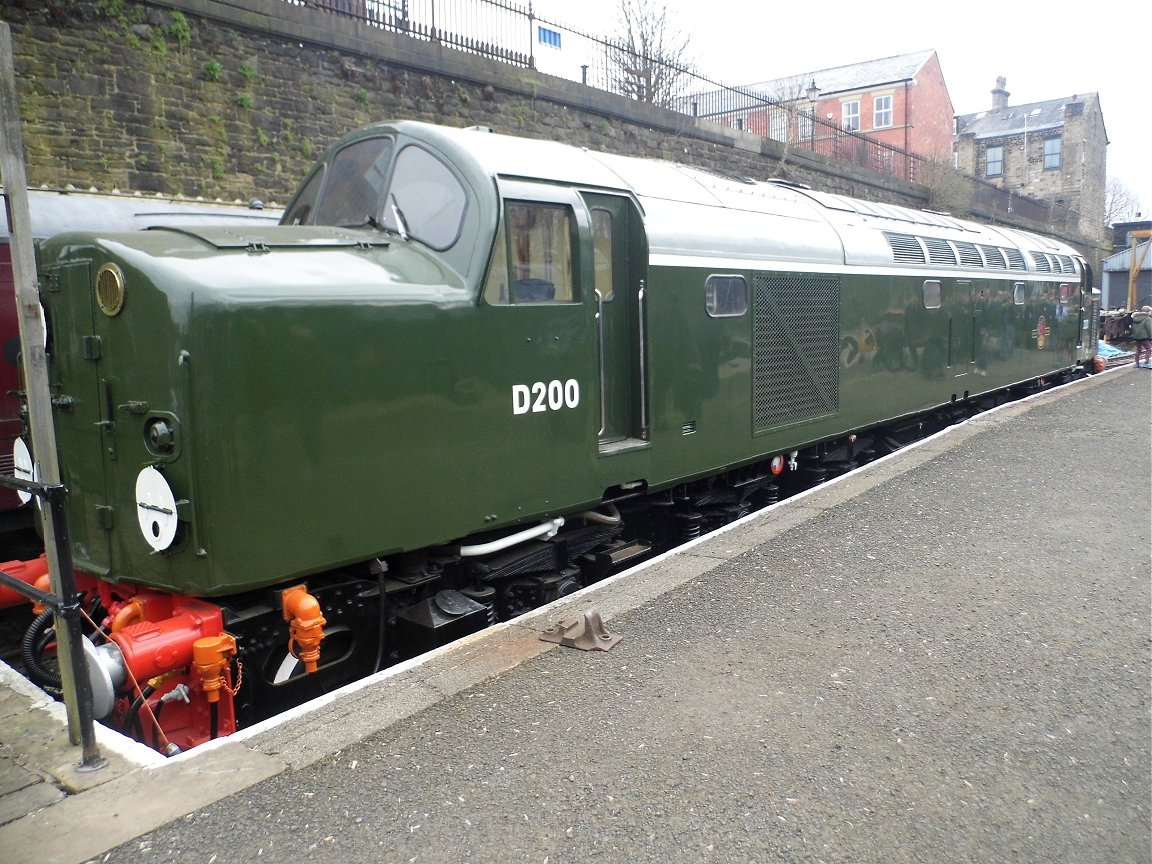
point(469, 374)
point(326, 396)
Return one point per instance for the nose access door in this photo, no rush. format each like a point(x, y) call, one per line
point(619, 255)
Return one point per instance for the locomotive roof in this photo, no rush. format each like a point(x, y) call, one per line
point(693, 213)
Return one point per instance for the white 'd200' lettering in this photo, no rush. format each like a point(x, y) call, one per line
point(545, 396)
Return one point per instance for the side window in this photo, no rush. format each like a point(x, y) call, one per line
point(536, 245)
point(850, 115)
point(300, 211)
point(994, 162)
point(354, 185)
point(602, 250)
point(725, 296)
point(881, 112)
point(1019, 293)
point(425, 200)
point(932, 293)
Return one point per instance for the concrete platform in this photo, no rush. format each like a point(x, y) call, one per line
point(945, 656)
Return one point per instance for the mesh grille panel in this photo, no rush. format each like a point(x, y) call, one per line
point(795, 350)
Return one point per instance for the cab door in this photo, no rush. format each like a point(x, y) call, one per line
point(620, 253)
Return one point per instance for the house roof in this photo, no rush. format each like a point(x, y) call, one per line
point(1014, 119)
point(855, 76)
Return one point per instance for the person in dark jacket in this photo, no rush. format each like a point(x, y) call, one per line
point(1142, 333)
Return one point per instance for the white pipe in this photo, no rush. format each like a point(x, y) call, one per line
point(544, 529)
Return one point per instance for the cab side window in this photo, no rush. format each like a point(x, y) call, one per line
point(533, 261)
point(602, 250)
point(300, 211)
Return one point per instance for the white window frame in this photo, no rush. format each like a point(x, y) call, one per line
point(988, 161)
point(806, 125)
point(881, 109)
point(548, 37)
point(850, 115)
point(1053, 157)
point(779, 120)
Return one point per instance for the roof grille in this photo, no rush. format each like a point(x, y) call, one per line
point(1041, 262)
point(1015, 259)
point(939, 252)
point(993, 257)
point(905, 248)
point(969, 254)
point(1065, 263)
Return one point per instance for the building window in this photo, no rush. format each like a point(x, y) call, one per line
point(994, 162)
point(1051, 154)
point(807, 125)
point(850, 116)
point(779, 119)
point(551, 38)
point(882, 112)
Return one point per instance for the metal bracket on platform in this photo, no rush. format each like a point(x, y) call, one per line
point(587, 633)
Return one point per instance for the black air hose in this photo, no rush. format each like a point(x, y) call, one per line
point(36, 638)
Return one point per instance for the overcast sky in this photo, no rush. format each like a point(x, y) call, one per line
point(1042, 54)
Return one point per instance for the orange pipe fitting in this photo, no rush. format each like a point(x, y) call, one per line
point(306, 626)
point(131, 613)
point(212, 655)
point(44, 583)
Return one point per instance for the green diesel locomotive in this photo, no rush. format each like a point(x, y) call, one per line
point(471, 373)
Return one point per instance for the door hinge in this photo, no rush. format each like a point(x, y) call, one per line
point(92, 347)
point(104, 513)
point(50, 282)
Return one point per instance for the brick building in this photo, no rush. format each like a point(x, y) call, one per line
point(901, 101)
point(1055, 151)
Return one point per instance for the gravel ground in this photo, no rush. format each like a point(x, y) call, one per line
point(952, 666)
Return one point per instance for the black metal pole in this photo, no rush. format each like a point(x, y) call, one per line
point(70, 616)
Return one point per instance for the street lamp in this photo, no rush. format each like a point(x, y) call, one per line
point(813, 94)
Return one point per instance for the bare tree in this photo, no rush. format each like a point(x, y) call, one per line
point(1120, 202)
point(949, 189)
point(650, 53)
